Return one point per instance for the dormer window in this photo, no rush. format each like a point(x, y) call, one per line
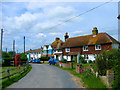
point(67, 49)
point(85, 48)
point(97, 47)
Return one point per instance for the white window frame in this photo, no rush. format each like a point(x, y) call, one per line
point(84, 48)
point(97, 48)
point(67, 49)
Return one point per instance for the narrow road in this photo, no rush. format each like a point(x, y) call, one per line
point(45, 76)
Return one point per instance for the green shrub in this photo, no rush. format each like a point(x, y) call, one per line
point(75, 57)
point(82, 60)
point(110, 60)
point(44, 58)
point(101, 63)
point(90, 61)
point(7, 61)
point(64, 60)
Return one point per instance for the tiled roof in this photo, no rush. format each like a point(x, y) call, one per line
point(72, 53)
point(57, 53)
point(35, 50)
point(100, 38)
point(56, 44)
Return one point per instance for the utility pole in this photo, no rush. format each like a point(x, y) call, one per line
point(6, 50)
point(24, 44)
point(1, 47)
point(13, 48)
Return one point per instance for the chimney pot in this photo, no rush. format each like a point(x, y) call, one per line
point(95, 31)
point(66, 36)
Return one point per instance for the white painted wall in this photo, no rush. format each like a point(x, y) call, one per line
point(65, 57)
point(90, 57)
point(69, 58)
point(60, 57)
point(54, 56)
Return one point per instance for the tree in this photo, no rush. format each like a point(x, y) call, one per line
point(11, 53)
point(5, 55)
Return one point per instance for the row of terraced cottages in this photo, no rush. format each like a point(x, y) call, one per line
point(88, 46)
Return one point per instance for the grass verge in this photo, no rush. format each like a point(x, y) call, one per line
point(89, 81)
point(15, 78)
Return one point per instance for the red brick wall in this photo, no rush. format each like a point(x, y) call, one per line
point(91, 49)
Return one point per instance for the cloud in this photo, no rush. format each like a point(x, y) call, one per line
point(54, 34)
point(77, 32)
point(41, 35)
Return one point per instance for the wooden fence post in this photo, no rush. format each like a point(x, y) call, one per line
point(8, 72)
point(19, 69)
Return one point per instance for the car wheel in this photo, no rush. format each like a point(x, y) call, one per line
point(49, 63)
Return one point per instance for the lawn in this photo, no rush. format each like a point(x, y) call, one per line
point(15, 78)
point(89, 81)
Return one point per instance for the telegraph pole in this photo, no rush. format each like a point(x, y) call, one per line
point(1, 47)
point(24, 44)
point(6, 50)
point(13, 48)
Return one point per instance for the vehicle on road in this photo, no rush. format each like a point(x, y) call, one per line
point(53, 61)
point(34, 61)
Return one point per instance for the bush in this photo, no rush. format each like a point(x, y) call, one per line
point(75, 57)
point(84, 61)
point(7, 61)
point(81, 59)
point(101, 63)
point(90, 61)
point(44, 58)
point(64, 61)
point(109, 60)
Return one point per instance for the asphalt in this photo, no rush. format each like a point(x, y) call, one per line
point(45, 76)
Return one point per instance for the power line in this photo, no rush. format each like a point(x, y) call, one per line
point(81, 14)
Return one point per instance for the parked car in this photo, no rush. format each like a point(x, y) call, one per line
point(30, 61)
point(53, 61)
point(36, 61)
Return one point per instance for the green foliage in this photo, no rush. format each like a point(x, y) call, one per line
point(7, 61)
point(110, 60)
point(11, 53)
point(64, 60)
point(101, 63)
point(5, 55)
point(82, 60)
point(15, 78)
point(75, 57)
point(90, 61)
point(44, 58)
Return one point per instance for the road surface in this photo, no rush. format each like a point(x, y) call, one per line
point(45, 76)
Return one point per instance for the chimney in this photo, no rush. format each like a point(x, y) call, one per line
point(118, 16)
point(56, 39)
point(66, 36)
point(95, 31)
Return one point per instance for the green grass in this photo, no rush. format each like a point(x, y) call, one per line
point(15, 78)
point(88, 81)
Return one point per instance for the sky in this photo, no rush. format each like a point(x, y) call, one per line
point(37, 22)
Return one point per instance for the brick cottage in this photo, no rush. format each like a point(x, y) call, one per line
point(88, 46)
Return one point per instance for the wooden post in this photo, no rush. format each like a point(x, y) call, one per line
point(19, 69)
point(8, 73)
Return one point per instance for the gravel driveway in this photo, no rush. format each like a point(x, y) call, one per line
point(45, 76)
